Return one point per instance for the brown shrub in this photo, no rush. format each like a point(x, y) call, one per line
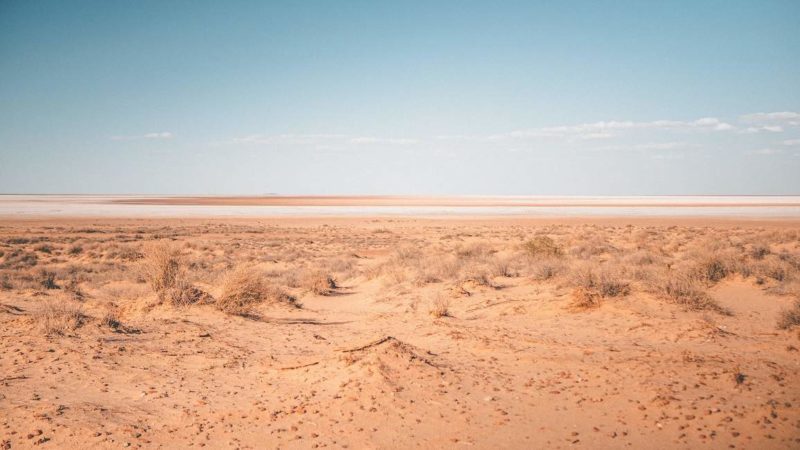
point(162, 266)
point(474, 250)
point(607, 282)
point(687, 291)
point(478, 276)
point(111, 318)
point(47, 279)
point(713, 270)
point(790, 317)
point(759, 251)
point(320, 283)
point(503, 267)
point(547, 268)
point(59, 316)
point(542, 246)
point(19, 259)
point(775, 268)
point(440, 307)
point(244, 288)
point(584, 298)
point(434, 269)
point(185, 294)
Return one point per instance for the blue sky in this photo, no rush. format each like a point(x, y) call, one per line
point(573, 97)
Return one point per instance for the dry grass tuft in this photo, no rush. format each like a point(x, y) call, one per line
point(185, 294)
point(440, 307)
point(607, 282)
point(244, 288)
point(790, 317)
point(320, 283)
point(547, 268)
point(542, 246)
point(47, 279)
point(712, 270)
point(583, 299)
point(111, 318)
point(162, 266)
point(689, 292)
point(59, 316)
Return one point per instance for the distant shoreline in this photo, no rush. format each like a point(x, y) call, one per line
point(486, 201)
point(787, 207)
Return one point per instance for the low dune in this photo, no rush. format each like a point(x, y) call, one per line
point(399, 332)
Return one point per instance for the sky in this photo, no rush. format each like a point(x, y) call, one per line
point(371, 97)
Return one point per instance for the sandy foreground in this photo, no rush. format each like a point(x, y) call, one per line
point(370, 332)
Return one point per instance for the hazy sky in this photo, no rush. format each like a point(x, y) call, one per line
point(400, 97)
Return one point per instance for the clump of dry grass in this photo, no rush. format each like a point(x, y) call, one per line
point(474, 250)
point(478, 276)
point(774, 268)
point(5, 283)
point(320, 283)
point(162, 266)
point(434, 269)
point(19, 259)
point(547, 268)
point(47, 279)
point(759, 250)
point(244, 288)
point(713, 268)
point(440, 307)
point(111, 318)
point(689, 292)
point(607, 282)
point(185, 293)
point(790, 317)
point(541, 246)
point(59, 316)
point(583, 299)
point(503, 267)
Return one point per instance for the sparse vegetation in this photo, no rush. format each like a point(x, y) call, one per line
point(48, 279)
point(244, 288)
point(320, 283)
point(687, 291)
point(440, 307)
point(470, 295)
point(584, 298)
point(542, 246)
point(162, 266)
point(790, 317)
point(59, 316)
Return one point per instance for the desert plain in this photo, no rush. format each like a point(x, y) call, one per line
point(399, 332)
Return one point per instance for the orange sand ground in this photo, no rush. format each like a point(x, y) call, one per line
point(512, 365)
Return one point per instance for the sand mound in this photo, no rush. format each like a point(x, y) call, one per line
point(389, 364)
point(385, 365)
point(401, 355)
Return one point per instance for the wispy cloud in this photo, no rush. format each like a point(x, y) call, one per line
point(615, 134)
point(791, 142)
point(610, 129)
point(668, 156)
point(320, 140)
point(292, 139)
point(387, 141)
point(761, 129)
point(766, 151)
point(647, 146)
point(160, 135)
point(785, 117)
